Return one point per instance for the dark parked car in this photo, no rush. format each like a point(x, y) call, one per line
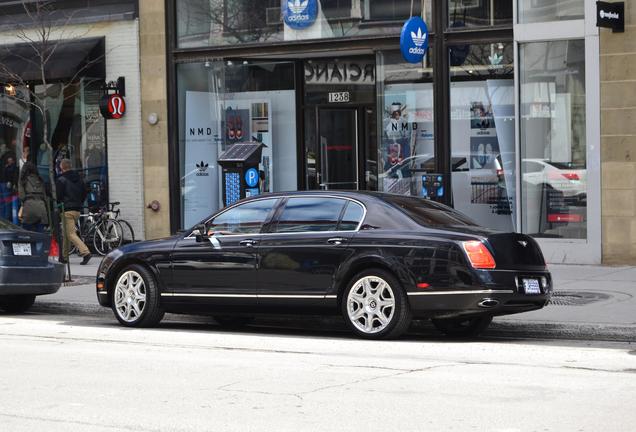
point(378, 259)
point(25, 269)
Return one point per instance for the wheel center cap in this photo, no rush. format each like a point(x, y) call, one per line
point(373, 304)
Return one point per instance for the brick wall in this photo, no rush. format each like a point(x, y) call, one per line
point(618, 140)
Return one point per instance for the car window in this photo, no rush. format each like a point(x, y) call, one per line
point(310, 214)
point(531, 167)
point(429, 213)
point(352, 217)
point(246, 218)
point(6, 225)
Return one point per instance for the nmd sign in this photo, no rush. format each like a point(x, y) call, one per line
point(112, 106)
point(414, 40)
point(299, 14)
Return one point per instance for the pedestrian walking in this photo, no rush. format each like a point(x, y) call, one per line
point(33, 214)
point(71, 191)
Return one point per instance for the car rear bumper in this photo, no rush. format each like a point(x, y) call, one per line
point(34, 280)
point(499, 293)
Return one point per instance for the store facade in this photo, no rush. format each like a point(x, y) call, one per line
point(500, 120)
point(94, 45)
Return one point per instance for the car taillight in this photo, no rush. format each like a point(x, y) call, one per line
point(571, 176)
point(479, 255)
point(54, 250)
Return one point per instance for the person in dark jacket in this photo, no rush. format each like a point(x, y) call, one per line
point(71, 191)
point(32, 192)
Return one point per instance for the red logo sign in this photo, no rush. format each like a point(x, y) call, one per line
point(113, 106)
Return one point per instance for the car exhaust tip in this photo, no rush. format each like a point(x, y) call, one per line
point(488, 303)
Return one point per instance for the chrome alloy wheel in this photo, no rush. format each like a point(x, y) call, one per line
point(130, 296)
point(371, 304)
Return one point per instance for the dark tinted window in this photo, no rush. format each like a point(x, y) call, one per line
point(246, 218)
point(6, 225)
point(310, 214)
point(352, 217)
point(429, 213)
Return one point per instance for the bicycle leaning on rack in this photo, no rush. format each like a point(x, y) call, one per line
point(103, 230)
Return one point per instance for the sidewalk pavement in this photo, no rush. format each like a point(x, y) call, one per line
point(584, 295)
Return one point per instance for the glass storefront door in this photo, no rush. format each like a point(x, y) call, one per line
point(483, 157)
point(338, 142)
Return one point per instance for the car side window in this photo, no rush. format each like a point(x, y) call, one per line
point(310, 214)
point(352, 217)
point(246, 218)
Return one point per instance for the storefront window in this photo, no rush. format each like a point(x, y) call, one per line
point(222, 103)
point(230, 22)
point(531, 11)
point(479, 13)
point(14, 133)
point(553, 139)
point(483, 156)
point(406, 151)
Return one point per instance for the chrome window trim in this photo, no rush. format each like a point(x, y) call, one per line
point(364, 215)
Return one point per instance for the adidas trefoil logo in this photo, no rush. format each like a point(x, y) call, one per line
point(202, 169)
point(418, 38)
point(297, 6)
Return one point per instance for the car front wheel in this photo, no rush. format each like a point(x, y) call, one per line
point(136, 298)
point(462, 327)
point(16, 303)
point(375, 306)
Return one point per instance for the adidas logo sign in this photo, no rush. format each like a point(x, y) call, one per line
point(418, 39)
point(202, 169)
point(297, 6)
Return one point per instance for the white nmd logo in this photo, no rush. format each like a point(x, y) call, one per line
point(297, 6)
point(418, 38)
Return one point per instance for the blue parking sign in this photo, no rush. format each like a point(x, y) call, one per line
point(251, 177)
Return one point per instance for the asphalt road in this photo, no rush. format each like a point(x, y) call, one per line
point(82, 372)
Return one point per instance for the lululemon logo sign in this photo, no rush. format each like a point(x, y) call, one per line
point(112, 106)
point(300, 14)
point(414, 40)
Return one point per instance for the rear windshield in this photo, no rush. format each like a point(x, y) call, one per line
point(6, 225)
point(429, 213)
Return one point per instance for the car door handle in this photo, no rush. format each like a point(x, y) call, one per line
point(248, 243)
point(336, 241)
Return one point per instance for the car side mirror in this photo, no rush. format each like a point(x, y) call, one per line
point(200, 233)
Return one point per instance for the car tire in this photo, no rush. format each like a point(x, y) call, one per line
point(463, 327)
point(230, 321)
point(135, 297)
point(374, 305)
point(16, 303)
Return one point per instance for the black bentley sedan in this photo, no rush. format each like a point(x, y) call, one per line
point(378, 259)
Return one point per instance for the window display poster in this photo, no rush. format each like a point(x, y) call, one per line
point(407, 136)
point(200, 181)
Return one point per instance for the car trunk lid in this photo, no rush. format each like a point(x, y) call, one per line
point(23, 248)
point(514, 251)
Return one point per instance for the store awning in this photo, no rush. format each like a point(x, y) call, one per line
point(68, 59)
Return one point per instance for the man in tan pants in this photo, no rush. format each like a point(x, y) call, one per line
point(71, 191)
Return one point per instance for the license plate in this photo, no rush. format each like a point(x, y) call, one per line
point(21, 248)
point(531, 286)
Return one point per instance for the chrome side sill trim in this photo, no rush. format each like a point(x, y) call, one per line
point(461, 292)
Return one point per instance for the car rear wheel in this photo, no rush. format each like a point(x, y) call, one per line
point(463, 327)
point(16, 303)
point(375, 306)
point(135, 299)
